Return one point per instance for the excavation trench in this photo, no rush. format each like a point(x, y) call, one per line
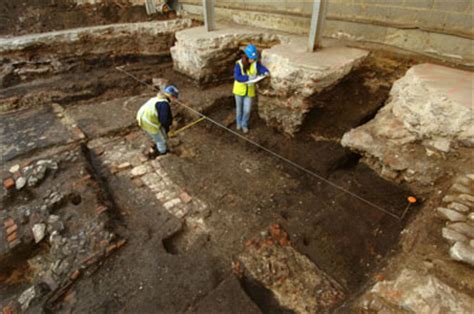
point(244, 188)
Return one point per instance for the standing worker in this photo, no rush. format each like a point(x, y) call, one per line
point(155, 118)
point(246, 69)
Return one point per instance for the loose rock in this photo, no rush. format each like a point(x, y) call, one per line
point(459, 207)
point(471, 216)
point(463, 228)
point(461, 188)
point(462, 252)
point(450, 214)
point(453, 236)
point(39, 232)
point(20, 183)
point(14, 168)
point(26, 297)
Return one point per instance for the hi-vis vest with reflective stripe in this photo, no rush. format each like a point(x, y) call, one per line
point(243, 89)
point(147, 117)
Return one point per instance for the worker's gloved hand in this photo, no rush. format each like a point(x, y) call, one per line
point(252, 77)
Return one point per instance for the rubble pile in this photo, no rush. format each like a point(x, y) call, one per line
point(297, 283)
point(458, 212)
point(412, 292)
point(30, 175)
point(16, 70)
point(59, 234)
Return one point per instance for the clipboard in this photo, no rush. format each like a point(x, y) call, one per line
point(256, 80)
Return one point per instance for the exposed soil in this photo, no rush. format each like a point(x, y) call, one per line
point(356, 101)
point(36, 16)
point(170, 265)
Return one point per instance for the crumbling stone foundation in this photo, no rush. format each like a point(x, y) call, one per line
point(427, 121)
point(295, 73)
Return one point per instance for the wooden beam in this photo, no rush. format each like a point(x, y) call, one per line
point(317, 24)
point(209, 22)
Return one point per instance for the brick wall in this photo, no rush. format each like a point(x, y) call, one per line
point(442, 28)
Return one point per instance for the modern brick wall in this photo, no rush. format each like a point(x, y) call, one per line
point(442, 28)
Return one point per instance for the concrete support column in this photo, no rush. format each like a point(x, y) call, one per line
point(317, 23)
point(208, 6)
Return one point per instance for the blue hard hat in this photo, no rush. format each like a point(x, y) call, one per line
point(251, 52)
point(172, 90)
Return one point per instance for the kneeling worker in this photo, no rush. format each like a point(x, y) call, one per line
point(155, 117)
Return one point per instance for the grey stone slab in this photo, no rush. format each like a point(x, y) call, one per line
point(25, 131)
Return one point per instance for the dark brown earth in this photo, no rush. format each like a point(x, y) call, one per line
point(246, 189)
point(21, 17)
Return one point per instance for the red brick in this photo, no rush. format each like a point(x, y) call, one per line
point(9, 183)
point(92, 259)
point(104, 242)
point(131, 136)
point(121, 243)
point(75, 274)
point(81, 181)
point(11, 237)
point(101, 209)
point(14, 243)
point(110, 249)
point(9, 309)
point(87, 177)
point(185, 197)
point(8, 222)
point(11, 229)
point(269, 241)
point(25, 164)
point(78, 132)
point(99, 151)
point(283, 242)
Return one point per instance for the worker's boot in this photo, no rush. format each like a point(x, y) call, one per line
point(151, 152)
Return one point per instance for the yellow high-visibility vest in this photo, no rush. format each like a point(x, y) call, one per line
point(147, 117)
point(243, 89)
